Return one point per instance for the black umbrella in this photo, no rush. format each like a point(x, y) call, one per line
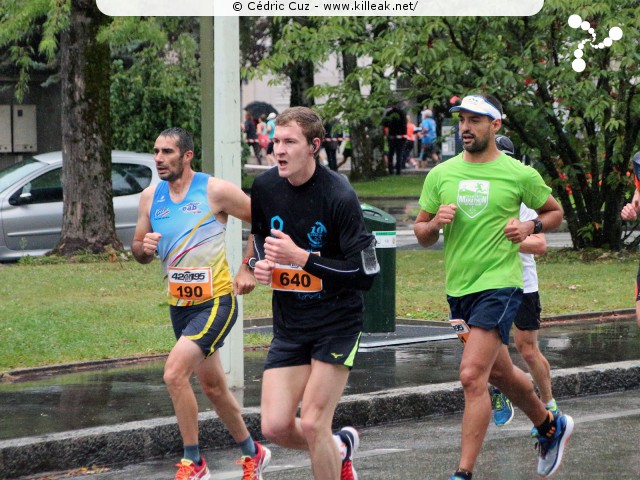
point(257, 109)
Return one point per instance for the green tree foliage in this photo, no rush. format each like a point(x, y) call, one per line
point(29, 37)
point(257, 36)
point(155, 88)
point(582, 128)
point(359, 101)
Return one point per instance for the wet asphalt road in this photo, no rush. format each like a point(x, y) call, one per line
point(604, 446)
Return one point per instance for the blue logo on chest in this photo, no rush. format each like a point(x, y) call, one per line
point(317, 235)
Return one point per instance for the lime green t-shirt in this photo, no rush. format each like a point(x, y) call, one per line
point(478, 256)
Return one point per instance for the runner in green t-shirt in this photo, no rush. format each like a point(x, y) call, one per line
point(487, 195)
point(475, 198)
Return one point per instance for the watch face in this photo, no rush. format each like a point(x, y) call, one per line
point(252, 263)
point(537, 226)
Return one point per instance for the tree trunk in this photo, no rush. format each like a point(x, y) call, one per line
point(301, 80)
point(367, 141)
point(367, 144)
point(300, 73)
point(88, 216)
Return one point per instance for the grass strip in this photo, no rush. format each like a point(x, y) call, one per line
point(67, 312)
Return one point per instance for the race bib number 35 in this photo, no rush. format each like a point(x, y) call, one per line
point(191, 283)
point(294, 279)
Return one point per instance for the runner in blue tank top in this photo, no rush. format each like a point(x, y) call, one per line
point(183, 219)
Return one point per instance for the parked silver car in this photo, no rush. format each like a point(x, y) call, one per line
point(31, 200)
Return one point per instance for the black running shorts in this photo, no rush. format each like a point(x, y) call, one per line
point(528, 316)
point(335, 350)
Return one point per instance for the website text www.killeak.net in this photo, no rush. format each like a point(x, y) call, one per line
point(358, 6)
point(371, 6)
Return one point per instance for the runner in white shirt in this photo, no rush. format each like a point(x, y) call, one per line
point(527, 320)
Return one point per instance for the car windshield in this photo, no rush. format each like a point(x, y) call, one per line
point(10, 175)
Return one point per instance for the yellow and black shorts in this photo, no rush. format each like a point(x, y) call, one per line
point(207, 324)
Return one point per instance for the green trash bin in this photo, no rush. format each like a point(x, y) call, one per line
point(380, 300)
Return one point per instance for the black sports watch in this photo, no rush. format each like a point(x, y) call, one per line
point(250, 262)
point(537, 226)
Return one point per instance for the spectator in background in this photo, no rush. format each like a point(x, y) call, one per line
point(395, 121)
point(271, 130)
point(346, 151)
point(251, 134)
point(263, 136)
point(410, 142)
point(331, 145)
point(430, 150)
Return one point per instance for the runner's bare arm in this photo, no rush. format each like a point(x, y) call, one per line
point(630, 210)
point(228, 198)
point(245, 280)
point(550, 214)
point(427, 226)
point(535, 243)
point(145, 241)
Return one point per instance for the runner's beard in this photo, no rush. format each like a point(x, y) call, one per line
point(478, 145)
point(173, 175)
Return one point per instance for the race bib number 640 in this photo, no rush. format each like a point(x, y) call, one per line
point(292, 278)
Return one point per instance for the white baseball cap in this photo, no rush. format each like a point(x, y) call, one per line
point(271, 116)
point(477, 104)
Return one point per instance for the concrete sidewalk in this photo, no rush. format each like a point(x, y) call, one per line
point(132, 443)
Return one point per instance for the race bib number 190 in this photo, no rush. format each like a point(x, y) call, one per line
point(191, 283)
point(292, 278)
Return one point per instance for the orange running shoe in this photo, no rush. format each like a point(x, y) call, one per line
point(252, 467)
point(188, 470)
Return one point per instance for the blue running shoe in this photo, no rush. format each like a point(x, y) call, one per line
point(501, 406)
point(550, 450)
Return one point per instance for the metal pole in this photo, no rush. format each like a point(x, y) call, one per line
point(228, 165)
point(220, 110)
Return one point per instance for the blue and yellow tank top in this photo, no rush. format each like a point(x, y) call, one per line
point(192, 246)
